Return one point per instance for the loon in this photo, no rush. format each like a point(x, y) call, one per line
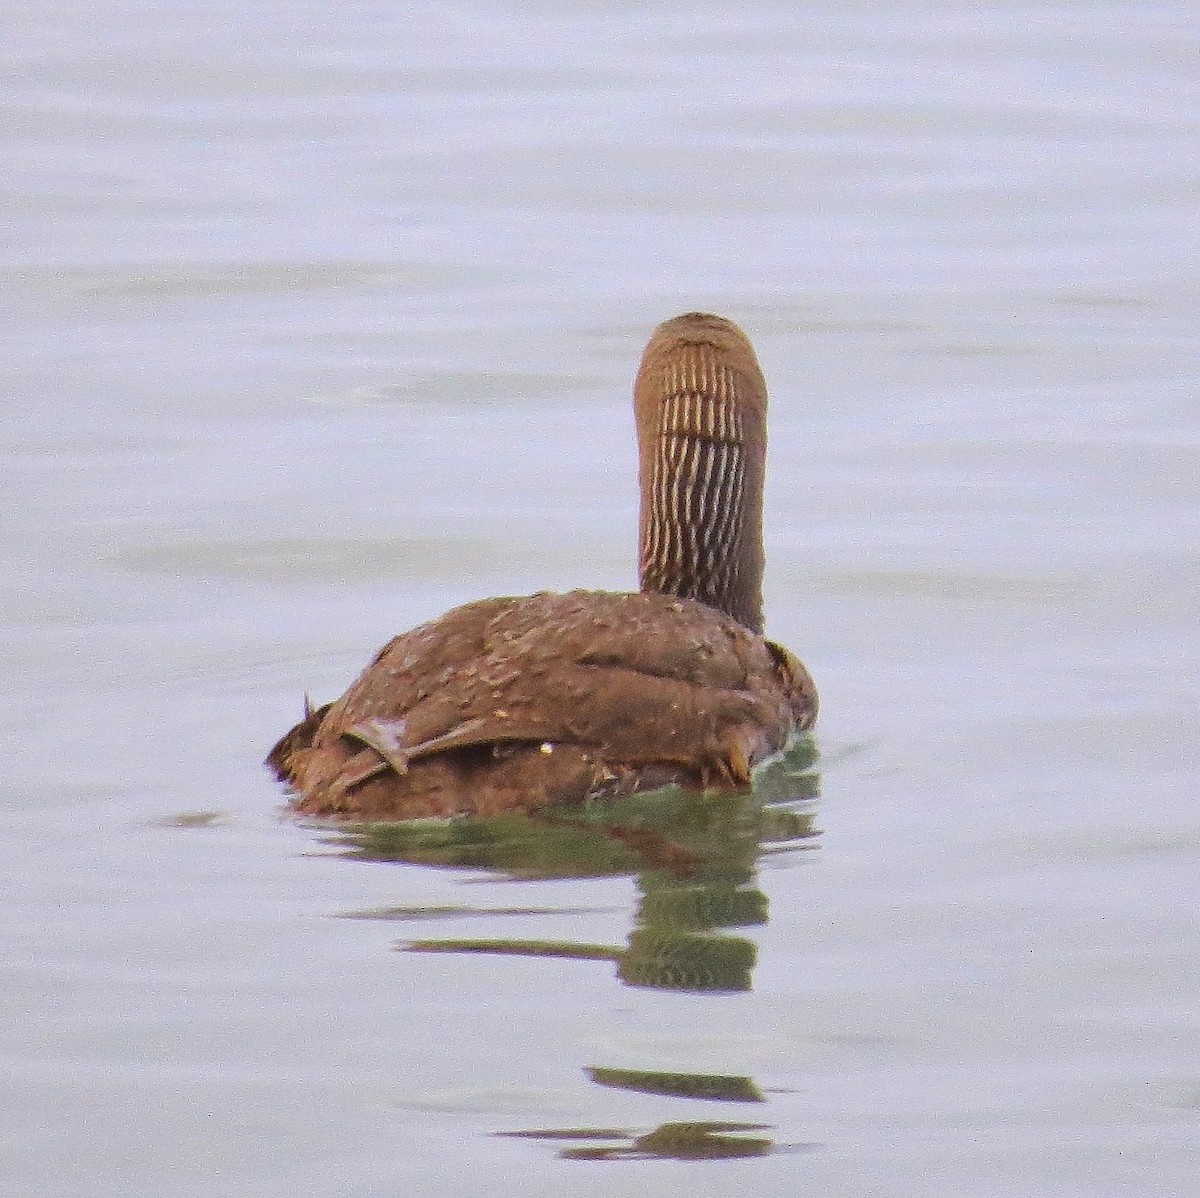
point(513, 704)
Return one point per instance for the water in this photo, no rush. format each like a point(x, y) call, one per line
point(317, 321)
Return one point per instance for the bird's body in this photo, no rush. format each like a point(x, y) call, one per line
point(518, 703)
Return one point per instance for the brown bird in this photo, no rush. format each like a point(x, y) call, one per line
point(517, 703)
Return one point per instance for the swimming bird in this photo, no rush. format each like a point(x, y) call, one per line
point(517, 703)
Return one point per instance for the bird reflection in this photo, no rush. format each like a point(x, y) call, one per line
point(694, 858)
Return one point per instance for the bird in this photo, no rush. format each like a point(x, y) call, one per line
point(520, 703)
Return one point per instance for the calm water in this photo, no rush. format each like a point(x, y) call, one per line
point(320, 319)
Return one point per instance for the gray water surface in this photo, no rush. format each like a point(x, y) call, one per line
point(317, 320)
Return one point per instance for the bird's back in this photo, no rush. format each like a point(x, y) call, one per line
point(516, 703)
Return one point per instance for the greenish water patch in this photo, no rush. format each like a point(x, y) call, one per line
point(704, 1141)
point(324, 558)
point(516, 948)
point(475, 386)
point(191, 819)
point(713, 1087)
point(457, 911)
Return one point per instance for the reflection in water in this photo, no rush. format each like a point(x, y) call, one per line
point(694, 855)
point(675, 946)
point(458, 910)
point(695, 859)
point(671, 1141)
point(717, 1087)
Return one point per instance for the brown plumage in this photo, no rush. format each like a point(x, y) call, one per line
point(517, 703)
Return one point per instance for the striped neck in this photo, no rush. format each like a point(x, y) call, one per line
point(700, 402)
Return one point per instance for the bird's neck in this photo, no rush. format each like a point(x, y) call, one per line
point(701, 409)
